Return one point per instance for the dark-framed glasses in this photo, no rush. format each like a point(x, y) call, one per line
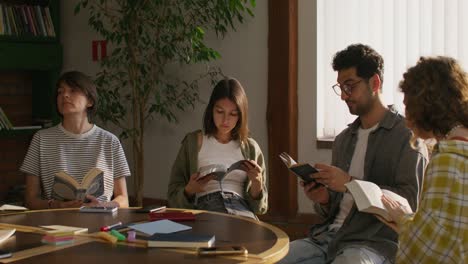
point(345, 88)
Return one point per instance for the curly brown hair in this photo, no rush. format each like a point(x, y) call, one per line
point(436, 95)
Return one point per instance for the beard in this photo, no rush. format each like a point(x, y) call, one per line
point(365, 105)
point(360, 109)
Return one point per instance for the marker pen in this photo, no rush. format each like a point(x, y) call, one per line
point(107, 228)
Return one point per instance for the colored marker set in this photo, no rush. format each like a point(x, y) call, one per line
point(110, 234)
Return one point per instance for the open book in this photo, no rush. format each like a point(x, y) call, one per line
point(220, 170)
point(67, 188)
point(367, 196)
point(302, 170)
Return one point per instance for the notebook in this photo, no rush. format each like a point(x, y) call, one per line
point(61, 228)
point(161, 227)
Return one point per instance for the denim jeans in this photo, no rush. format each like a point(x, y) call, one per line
point(225, 202)
point(308, 251)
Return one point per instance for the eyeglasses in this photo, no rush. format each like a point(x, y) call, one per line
point(346, 88)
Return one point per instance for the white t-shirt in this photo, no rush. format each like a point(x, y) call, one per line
point(356, 170)
point(214, 152)
point(55, 149)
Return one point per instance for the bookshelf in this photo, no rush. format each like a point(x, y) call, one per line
point(30, 64)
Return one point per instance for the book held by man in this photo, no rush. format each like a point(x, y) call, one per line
point(184, 239)
point(367, 196)
point(220, 170)
point(302, 170)
point(68, 188)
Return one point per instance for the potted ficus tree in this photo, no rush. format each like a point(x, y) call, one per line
point(147, 36)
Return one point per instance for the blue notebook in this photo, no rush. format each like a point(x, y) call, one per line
point(160, 227)
point(183, 239)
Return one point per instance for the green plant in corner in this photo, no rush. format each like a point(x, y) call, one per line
point(148, 37)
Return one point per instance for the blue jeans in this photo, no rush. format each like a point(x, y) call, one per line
point(307, 251)
point(225, 202)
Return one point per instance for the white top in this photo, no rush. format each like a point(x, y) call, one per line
point(214, 152)
point(55, 149)
point(356, 170)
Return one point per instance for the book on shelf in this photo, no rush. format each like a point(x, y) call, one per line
point(173, 216)
point(68, 188)
point(219, 171)
point(301, 170)
point(367, 196)
point(6, 124)
point(26, 20)
point(177, 240)
point(160, 227)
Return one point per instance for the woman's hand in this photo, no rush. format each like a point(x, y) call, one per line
point(254, 173)
point(392, 225)
point(67, 204)
point(197, 184)
point(396, 210)
point(92, 201)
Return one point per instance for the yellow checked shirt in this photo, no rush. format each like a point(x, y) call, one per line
point(438, 233)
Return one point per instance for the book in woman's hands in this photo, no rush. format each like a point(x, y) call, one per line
point(219, 171)
point(68, 188)
point(367, 196)
point(302, 170)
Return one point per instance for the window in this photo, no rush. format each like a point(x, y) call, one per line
point(400, 30)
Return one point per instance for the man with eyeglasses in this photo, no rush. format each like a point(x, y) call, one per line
point(376, 148)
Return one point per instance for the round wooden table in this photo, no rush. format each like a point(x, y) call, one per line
point(265, 243)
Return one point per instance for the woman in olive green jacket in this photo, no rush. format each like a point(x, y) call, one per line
point(223, 142)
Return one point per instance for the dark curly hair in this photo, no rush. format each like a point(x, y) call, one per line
point(366, 60)
point(436, 95)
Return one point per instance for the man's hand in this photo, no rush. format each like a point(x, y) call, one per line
point(316, 194)
point(332, 177)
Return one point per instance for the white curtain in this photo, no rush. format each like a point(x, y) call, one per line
point(400, 30)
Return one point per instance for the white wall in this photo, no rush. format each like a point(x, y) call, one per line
point(244, 56)
point(307, 76)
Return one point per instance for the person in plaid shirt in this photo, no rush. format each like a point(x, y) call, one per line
point(436, 99)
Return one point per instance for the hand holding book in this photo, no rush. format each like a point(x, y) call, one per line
point(368, 198)
point(301, 170)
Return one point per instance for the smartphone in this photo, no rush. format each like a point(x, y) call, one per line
point(150, 209)
point(225, 250)
point(4, 254)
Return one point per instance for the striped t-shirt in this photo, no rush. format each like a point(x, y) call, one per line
point(55, 149)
